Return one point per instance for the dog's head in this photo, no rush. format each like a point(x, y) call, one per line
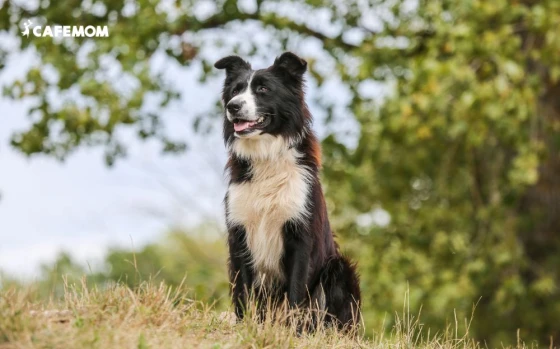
point(266, 101)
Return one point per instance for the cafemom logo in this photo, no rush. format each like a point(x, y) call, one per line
point(65, 31)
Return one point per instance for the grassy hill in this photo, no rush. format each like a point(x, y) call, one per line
point(156, 316)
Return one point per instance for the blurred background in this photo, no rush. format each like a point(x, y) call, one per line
point(440, 125)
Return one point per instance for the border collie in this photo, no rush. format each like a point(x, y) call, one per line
point(281, 246)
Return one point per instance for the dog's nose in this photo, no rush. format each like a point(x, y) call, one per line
point(233, 107)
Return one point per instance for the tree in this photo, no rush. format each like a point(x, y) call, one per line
point(462, 151)
point(465, 157)
point(181, 258)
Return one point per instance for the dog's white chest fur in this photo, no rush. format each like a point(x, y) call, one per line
point(276, 194)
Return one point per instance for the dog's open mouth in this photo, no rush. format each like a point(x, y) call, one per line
point(245, 126)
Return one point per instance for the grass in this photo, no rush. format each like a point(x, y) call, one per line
point(156, 316)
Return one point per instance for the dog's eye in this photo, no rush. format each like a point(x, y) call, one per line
point(262, 89)
point(234, 92)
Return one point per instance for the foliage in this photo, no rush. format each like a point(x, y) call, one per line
point(180, 259)
point(464, 157)
point(462, 151)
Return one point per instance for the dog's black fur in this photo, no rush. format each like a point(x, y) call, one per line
point(311, 262)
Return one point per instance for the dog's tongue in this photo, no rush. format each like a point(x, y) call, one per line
point(243, 125)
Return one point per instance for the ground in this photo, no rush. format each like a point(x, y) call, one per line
point(155, 316)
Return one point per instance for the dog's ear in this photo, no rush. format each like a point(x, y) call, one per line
point(290, 63)
point(232, 64)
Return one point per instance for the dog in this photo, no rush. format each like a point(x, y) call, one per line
point(280, 242)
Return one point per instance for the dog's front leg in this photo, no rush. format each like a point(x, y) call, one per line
point(240, 272)
point(296, 261)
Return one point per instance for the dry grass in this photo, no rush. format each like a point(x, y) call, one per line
point(154, 316)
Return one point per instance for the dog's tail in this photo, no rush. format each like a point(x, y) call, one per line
point(341, 287)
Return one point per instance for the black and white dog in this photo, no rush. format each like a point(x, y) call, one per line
point(280, 241)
